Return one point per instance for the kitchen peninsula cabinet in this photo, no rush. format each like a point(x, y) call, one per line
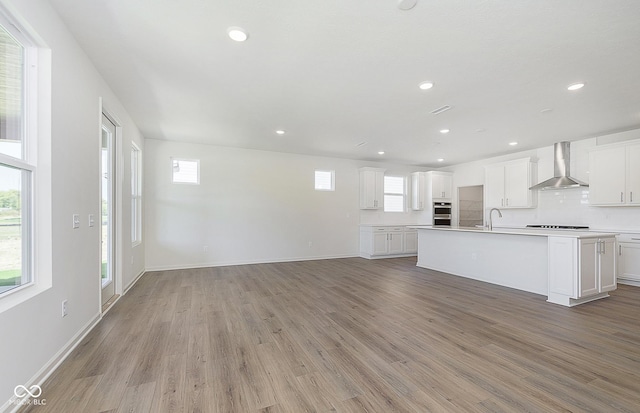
point(614, 175)
point(507, 184)
point(581, 269)
point(569, 267)
point(629, 259)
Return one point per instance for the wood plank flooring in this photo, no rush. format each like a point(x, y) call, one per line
point(349, 335)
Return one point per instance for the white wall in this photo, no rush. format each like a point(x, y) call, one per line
point(561, 207)
point(252, 206)
point(33, 332)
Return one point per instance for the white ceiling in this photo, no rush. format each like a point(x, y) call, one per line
point(335, 73)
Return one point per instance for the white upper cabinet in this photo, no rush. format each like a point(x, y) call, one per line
point(441, 184)
point(633, 174)
point(614, 175)
point(507, 184)
point(429, 187)
point(418, 189)
point(371, 188)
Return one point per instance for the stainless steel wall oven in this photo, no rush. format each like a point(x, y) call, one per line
point(442, 213)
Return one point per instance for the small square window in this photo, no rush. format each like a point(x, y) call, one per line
point(186, 171)
point(325, 180)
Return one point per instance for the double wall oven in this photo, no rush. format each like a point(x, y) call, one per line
point(442, 213)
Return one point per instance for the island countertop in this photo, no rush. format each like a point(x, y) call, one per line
point(570, 267)
point(544, 232)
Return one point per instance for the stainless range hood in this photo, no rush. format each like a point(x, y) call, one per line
point(561, 178)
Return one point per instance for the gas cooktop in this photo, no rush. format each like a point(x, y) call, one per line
point(558, 227)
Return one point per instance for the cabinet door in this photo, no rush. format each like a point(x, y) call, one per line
point(588, 281)
point(411, 242)
point(395, 243)
point(607, 264)
point(446, 186)
point(417, 191)
point(371, 189)
point(494, 186)
point(517, 180)
point(633, 175)
point(629, 260)
point(607, 176)
point(380, 243)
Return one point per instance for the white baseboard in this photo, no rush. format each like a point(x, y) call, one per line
point(43, 374)
point(233, 263)
point(133, 282)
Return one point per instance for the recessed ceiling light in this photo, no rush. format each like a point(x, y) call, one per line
point(237, 33)
point(406, 4)
point(547, 110)
point(444, 130)
point(513, 143)
point(381, 153)
point(440, 160)
point(425, 85)
point(575, 86)
point(280, 132)
point(481, 130)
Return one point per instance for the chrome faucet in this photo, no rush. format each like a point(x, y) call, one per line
point(491, 220)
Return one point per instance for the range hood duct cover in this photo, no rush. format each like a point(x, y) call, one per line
point(561, 176)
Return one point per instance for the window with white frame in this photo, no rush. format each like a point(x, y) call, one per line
point(18, 95)
point(185, 171)
point(324, 180)
point(136, 195)
point(394, 193)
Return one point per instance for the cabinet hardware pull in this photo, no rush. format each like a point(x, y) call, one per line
point(630, 196)
point(621, 196)
point(619, 249)
point(603, 247)
point(507, 201)
point(501, 201)
point(635, 239)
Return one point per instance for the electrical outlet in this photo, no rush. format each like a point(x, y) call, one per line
point(310, 244)
point(92, 220)
point(64, 308)
point(205, 249)
point(76, 221)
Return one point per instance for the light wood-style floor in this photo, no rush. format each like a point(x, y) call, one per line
point(349, 335)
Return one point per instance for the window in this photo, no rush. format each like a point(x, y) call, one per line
point(186, 171)
point(136, 195)
point(394, 192)
point(18, 96)
point(325, 180)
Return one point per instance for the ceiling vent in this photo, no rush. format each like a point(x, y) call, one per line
point(440, 110)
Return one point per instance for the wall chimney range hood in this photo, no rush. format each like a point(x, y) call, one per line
point(561, 177)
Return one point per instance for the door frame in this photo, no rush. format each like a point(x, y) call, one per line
point(117, 205)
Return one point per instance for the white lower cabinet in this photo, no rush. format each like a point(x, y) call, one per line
point(629, 259)
point(411, 241)
point(386, 241)
point(581, 270)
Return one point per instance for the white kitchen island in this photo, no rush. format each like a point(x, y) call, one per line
point(569, 267)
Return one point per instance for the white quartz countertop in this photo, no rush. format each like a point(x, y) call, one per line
point(567, 233)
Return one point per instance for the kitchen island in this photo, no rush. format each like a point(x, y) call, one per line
point(569, 267)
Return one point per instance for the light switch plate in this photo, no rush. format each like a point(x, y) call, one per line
point(92, 220)
point(76, 221)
